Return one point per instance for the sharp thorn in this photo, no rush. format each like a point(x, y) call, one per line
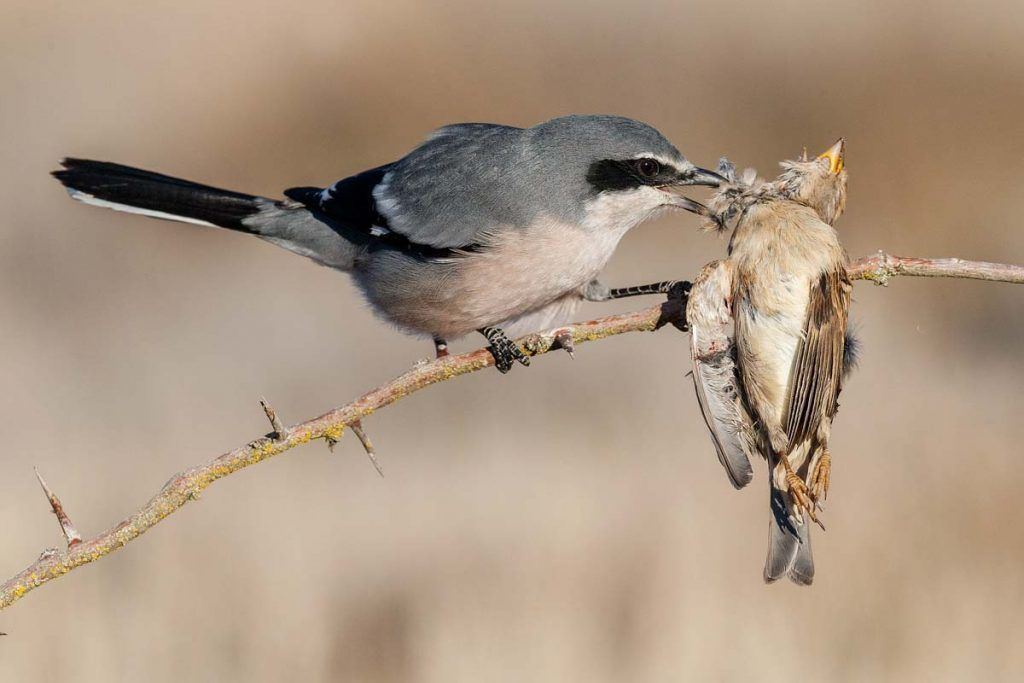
point(280, 433)
point(71, 534)
point(357, 429)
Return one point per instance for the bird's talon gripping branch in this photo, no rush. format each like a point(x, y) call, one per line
point(504, 350)
point(679, 291)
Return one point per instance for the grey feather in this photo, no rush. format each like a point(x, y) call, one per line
point(302, 232)
point(789, 544)
point(469, 178)
point(714, 370)
point(802, 571)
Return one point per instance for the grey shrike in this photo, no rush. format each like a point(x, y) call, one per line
point(483, 227)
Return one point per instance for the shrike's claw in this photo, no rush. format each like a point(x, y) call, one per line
point(678, 292)
point(505, 351)
point(679, 289)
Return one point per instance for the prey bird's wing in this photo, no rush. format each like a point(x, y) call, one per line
point(817, 374)
point(709, 315)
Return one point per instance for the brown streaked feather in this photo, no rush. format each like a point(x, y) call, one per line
point(714, 369)
point(818, 364)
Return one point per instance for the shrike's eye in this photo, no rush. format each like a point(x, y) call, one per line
point(647, 168)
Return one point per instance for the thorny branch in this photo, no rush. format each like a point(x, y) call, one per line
point(187, 485)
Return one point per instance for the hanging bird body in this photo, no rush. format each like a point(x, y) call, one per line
point(768, 343)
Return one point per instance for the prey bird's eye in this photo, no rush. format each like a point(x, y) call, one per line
point(647, 168)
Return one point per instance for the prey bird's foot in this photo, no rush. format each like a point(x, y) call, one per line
point(799, 495)
point(504, 350)
point(820, 478)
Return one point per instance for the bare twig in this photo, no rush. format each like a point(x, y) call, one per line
point(71, 534)
point(187, 485)
point(880, 267)
point(275, 422)
point(357, 429)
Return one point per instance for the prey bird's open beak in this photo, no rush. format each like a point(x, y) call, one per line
point(834, 154)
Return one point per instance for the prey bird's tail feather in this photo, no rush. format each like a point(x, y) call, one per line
point(285, 223)
point(789, 544)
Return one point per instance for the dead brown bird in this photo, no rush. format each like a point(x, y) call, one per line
point(769, 342)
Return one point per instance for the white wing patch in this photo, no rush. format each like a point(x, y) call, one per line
point(387, 205)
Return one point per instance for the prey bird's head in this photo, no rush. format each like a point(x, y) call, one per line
point(819, 183)
point(624, 171)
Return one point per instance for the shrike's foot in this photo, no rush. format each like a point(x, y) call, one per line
point(440, 348)
point(820, 478)
point(679, 290)
point(799, 495)
point(678, 295)
point(504, 350)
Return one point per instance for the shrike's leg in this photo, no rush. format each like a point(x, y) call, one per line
point(503, 349)
point(440, 347)
point(598, 291)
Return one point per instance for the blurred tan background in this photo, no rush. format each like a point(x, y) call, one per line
point(568, 522)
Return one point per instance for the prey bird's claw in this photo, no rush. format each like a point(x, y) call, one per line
point(505, 351)
point(820, 477)
point(801, 498)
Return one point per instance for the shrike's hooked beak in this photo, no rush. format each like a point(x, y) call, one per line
point(834, 154)
point(693, 176)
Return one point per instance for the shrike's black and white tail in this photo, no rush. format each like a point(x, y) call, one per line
point(133, 190)
point(123, 188)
